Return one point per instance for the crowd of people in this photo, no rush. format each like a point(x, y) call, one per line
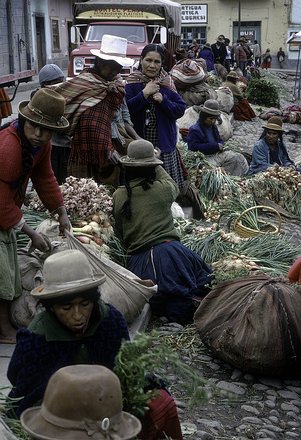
point(124, 135)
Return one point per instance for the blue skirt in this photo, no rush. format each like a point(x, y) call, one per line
point(180, 274)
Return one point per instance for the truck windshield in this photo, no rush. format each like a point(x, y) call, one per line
point(133, 33)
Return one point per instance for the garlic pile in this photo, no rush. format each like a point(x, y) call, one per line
point(82, 198)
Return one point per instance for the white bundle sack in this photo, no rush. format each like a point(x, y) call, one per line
point(123, 289)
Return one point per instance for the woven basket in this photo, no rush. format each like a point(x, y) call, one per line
point(266, 228)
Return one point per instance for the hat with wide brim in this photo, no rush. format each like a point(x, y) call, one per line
point(37, 426)
point(46, 109)
point(81, 402)
point(233, 75)
point(141, 153)
point(66, 273)
point(113, 48)
point(274, 123)
point(210, 107)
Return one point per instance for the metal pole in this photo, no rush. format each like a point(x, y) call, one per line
point(239, 19)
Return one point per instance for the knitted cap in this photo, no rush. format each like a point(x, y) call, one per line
point(50, 72)
point(187, 73)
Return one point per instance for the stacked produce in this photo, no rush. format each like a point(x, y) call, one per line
point(83, 198)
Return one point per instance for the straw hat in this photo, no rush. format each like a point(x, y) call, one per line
point(113, 48)
point(274, 123)
point(65, 273)
point(46, 108)
point(210, 107)
point(141, 153)
point(81, 402)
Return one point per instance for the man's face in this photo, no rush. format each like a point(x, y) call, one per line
point(108, 70)
point(36, 135)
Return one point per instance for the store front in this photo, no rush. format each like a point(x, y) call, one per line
point(194, 24)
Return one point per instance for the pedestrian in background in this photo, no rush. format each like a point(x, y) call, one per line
point(256, 53)
point(25, 150)
point(280, 57)
point(266, 60)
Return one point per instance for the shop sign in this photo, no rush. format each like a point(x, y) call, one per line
point(194, 14)
point(118, 13)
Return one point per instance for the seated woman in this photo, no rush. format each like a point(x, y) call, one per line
point(242, 110)
point(75, 328)
point(144, 222)
point(270, 150)
point(204, 137)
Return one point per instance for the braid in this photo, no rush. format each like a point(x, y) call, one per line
point(26, 155)
point(126, 208)
point(149, 174)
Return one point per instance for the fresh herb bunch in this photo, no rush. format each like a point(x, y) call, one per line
point(262, 92)
point(145, 357)
point(6, 404)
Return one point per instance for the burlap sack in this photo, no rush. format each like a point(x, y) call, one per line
point(254, 324)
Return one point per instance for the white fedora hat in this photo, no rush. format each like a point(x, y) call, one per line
point(113, 49)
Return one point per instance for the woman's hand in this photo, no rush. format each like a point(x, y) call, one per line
point(63, 219)
point(158, 97)
point(150, 89)
point(40, 242)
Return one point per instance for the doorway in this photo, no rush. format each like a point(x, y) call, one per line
point(40, 41)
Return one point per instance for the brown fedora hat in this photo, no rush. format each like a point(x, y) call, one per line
point(46, 108)
point(274, 123)
point(65, 273)
point(210, 107)
point(81, 402)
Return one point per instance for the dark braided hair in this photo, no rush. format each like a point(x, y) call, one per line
point(130, 173)
point(26, 156)
point(263, 135)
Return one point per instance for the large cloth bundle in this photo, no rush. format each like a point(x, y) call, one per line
point(187, 73)
point(225, 99)
point(254, 324)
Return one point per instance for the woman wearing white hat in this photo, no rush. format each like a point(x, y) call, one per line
point(25, 150)
point(91, 101)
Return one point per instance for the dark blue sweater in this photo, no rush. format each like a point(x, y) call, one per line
point(171, 108)
point(35, 359)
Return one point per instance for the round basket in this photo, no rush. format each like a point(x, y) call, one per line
point(266, 228)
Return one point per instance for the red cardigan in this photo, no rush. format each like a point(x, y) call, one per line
point(41, 175)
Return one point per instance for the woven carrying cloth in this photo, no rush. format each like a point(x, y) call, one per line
point(254, 324)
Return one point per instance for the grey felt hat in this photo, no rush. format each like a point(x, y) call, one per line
point(50, 72)
point(141, 153)
point(66, 273)
point(210, 107)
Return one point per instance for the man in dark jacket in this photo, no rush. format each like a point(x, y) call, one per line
point(219, 50)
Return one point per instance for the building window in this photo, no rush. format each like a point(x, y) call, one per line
point(193, 33)
point(55, 34)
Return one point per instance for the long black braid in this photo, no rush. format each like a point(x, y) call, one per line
point(130, 173)
point(26, 157)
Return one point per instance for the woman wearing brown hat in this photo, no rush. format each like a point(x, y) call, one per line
point(25, 150)
point(144, 222)
point(242, 110)
point(204, 137)
point(270, 150)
